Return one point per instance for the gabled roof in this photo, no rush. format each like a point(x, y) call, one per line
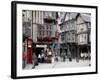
point(70, 16)
point(73, 15)
point(86, 17)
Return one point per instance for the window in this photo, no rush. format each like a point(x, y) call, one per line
point(43, 32)
point(68, 38)
point(81, 29)
point(85, 37)
point(62, 37)
point(40, 33)
point(43, 27)
point(73, 38)
point(47, 27)
point(40, 27)
point(81, 38)
point(49, 33)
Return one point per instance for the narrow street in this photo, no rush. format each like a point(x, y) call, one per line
point(52, 34)
point(60, 64)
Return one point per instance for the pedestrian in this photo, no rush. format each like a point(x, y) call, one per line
point(42, 56)
point(56, 57)
point(49, 56)
point(24, 60)
point(39, 58)
point(24, 55)
point(82, 55)
point(45, 55)
point(63, 55)
point(86, 55)
point(34, 61)
point(69, 56)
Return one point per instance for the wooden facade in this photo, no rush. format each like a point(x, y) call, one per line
point(68, 34)
point(83, 34)
point(76, 31)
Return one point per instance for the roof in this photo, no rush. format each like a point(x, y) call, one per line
point(73, 15)
point(86, 17)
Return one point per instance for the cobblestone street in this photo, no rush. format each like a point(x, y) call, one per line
point(60, 64)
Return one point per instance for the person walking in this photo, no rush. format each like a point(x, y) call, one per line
point(24, 60)
point(63, 55)
point(34, 61)
point(69, 56)
point(49, 56)
point(42, 56)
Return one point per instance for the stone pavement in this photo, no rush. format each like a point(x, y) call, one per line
point(60, 64)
